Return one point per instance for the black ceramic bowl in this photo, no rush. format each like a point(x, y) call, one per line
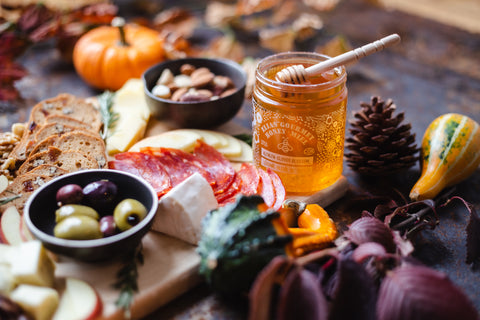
point(40, 209)
point(197, 114)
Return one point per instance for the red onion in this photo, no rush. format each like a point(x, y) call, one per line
point(371, 229)
point(418, 293)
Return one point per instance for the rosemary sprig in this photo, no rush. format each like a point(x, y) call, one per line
point(7, 200)
point(127, 278)
point(109, 117)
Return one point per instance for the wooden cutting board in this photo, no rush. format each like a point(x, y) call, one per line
point(170, 266)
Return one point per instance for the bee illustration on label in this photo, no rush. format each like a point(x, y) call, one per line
point(285, 146)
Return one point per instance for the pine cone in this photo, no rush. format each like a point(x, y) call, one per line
point(380, 144)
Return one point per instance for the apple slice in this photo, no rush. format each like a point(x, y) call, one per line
point(10, 226)
point(79, 301)
point(25, 233)
point(3, 183)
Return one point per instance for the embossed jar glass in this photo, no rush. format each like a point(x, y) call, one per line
point(299, 129)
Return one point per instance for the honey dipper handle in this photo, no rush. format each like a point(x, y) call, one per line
point(353, 55)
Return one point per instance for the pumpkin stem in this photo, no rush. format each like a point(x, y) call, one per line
point(119, 22)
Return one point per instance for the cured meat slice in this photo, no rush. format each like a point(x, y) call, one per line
point(145, 165)
point(180, 164)
point(280, 192)
point(217, 165)
point(266, 188)
point(250, 179)
point(229, 195)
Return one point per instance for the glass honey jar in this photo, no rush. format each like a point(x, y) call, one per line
point(299, 129)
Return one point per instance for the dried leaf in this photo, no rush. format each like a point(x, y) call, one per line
point(220, 15)
point(12, 45)
point(277, 39)
point(473, 236)
point(95, 14)
point(33, 17)
point(473, 232)
point(176, 20)
point(322, 5)
point(226, 47)
point(248, 7)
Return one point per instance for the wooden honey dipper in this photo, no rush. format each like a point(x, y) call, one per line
point(298, 74)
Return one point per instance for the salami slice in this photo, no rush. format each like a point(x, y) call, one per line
point(280, 192)
point(145, 166)
point(250, 179)
point(229, 195)
point(266, 188)
point(179, 164)
point(217, 165)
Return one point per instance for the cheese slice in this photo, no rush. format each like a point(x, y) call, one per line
point(30, 264)
point(133, 115)
point(7, 283)
point(181, 210)
point(5, 253)
point(245, 156)
point(177, 139)
point(233, 147)
point(39, 303)
point(212, 138)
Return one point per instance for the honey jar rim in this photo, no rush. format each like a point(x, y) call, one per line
point(268, 62)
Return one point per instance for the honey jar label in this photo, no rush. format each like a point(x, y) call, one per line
point(300, 147)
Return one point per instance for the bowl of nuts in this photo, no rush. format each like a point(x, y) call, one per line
point(195, 92)
point(92, 215)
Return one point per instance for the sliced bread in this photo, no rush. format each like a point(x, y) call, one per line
point(68, 105)
point(52, 129)
point(68, 160)
point(84, 142)
point(24, 185)
point(49, 170)
point(44, 144)
point(63, 119)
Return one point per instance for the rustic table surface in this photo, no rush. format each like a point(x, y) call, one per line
point(435, 70)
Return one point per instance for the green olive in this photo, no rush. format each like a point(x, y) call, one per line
point(75, 210)
point(78, 228)
point(128, 213)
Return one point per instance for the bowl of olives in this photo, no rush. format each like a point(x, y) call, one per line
point(92, 215)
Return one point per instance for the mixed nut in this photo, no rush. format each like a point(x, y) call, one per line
point(78, 218)
point(192, 85)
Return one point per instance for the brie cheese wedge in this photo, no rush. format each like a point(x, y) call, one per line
point(181, 210)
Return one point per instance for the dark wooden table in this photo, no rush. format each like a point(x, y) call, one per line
point(435, 70)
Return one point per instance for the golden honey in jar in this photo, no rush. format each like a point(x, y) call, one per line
point(299, 129)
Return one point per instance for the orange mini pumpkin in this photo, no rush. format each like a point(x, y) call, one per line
point(107, 56)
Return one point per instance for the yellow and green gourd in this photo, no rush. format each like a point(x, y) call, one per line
point(450, 153)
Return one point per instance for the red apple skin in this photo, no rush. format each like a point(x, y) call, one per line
point(25, 234)
point(10, 222)
point(97, 309)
